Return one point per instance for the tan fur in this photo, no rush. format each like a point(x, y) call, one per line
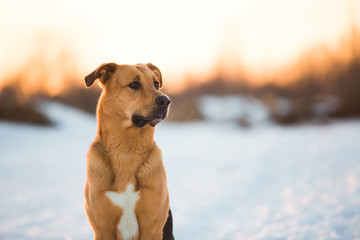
point(123, 154)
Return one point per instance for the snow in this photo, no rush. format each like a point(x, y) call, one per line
point(225, 182)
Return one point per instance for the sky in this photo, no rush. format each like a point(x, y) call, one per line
point(183, 38)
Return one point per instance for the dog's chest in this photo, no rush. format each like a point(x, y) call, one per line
point(128, 225)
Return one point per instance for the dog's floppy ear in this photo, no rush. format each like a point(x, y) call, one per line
point(103, 73)
point(156, 71)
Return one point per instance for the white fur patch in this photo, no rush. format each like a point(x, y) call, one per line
point(128, 225)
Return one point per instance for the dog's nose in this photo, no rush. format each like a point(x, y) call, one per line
point(162, 101)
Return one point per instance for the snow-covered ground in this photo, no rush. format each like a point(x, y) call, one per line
point(225, 182)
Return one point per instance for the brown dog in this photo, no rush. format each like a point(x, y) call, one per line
point(126, 192)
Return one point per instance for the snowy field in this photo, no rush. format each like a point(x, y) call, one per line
point(225, 182)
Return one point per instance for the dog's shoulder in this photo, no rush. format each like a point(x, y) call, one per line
point(97, 147)
point(99, 164)
point(98, 152)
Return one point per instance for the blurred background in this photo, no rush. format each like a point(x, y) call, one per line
point(242, 71)
point(304, 53)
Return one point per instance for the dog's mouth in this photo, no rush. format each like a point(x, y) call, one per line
point(140, 121)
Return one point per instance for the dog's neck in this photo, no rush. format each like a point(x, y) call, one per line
point(118, 136)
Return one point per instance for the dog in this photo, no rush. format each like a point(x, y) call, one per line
point(126, 195)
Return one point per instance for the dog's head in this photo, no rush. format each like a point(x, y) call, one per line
point(131, 92)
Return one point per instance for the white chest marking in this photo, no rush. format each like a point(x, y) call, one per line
point(128, 225)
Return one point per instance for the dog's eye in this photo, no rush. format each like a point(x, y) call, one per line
point(135, 85)
point(156, 84)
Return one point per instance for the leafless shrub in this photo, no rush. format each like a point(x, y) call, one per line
point(17, 108)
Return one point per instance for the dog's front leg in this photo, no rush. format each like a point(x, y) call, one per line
point(152, 214)
point(104, 235)
point(102, 215)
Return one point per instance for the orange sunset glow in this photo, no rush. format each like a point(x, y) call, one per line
point(68, 39)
